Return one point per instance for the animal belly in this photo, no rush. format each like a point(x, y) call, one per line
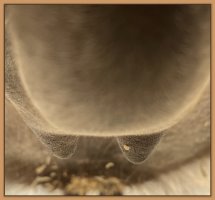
point(92, 90)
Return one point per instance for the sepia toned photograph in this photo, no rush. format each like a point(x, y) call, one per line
point(107, 99)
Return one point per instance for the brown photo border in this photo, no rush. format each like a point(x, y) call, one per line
point(2, 96)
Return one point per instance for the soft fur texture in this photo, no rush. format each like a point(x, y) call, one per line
point(133, 74)
point(179, 165)
point(89, 70)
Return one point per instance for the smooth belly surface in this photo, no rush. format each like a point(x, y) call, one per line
point(98, 84)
